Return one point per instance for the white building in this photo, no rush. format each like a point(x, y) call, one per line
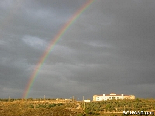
point(112, 96)
point(87, 100)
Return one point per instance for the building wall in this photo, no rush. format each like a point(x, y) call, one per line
point(86, 100)
point(97, 98)
point(112, 96)
point(129, 97)
point(94, 97)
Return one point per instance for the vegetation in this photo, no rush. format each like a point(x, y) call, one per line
point(118, 106)
point(53, 107)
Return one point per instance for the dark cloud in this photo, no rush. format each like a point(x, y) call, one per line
point(109, 48)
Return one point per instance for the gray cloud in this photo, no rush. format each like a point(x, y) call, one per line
point(109, 48)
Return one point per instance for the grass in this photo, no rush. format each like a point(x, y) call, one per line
point(51, 107)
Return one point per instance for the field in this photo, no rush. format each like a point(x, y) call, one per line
point(52, 107)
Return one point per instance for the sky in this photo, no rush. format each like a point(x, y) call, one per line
point(110, 48)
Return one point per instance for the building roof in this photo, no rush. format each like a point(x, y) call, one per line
point(99, 95)
point(113, 94)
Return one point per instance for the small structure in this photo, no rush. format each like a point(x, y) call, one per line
point(68, 100)
point(87, 100)
point(112, 96)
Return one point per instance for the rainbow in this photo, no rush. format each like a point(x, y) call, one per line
point(52, 45)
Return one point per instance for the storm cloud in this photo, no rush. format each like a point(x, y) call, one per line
point(109, 48)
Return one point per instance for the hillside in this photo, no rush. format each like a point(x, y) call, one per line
point(51, 107)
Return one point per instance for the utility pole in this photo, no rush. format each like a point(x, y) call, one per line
point(73, 102)
point(44, 97)
point(83, 104)
point(9, 98)
point(73, 99)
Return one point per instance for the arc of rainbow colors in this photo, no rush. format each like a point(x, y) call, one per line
point(52, 44)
